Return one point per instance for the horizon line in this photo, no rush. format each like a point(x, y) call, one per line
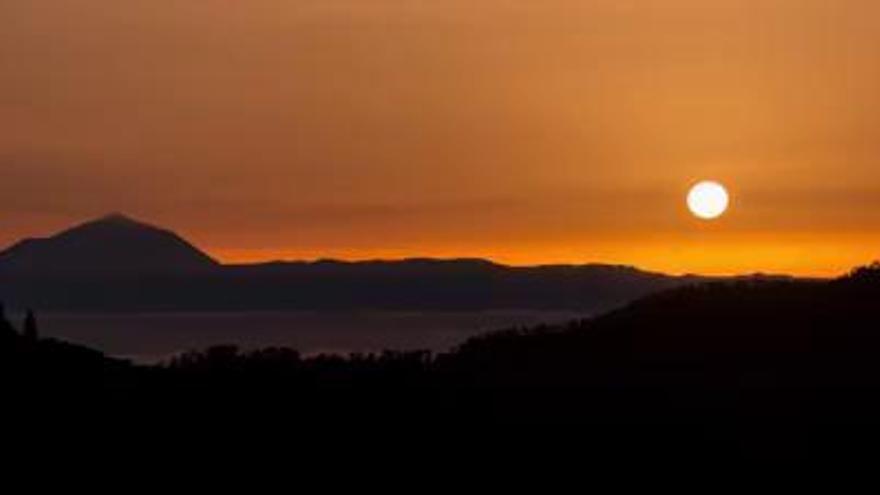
point(261, 256)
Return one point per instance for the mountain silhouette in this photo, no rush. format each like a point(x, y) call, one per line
point(112, 243)
point(119, 264)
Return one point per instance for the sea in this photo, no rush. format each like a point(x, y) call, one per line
point(155, 337)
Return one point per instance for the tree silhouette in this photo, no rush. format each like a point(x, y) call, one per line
point(30, 326)
point(869, 274)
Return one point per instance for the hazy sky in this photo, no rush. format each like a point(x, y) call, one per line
point(524, 131)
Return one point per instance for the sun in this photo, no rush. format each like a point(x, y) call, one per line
point(708, 200)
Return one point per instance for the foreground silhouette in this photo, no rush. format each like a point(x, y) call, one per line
point(763, 368)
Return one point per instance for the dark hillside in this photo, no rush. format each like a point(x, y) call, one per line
point(763, 368)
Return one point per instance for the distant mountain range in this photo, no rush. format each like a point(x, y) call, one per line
point(119, 264)
point(112, 243)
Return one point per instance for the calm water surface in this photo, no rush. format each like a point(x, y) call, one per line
point(152, 337)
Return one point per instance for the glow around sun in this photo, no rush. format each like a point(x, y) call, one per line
point(708, 200)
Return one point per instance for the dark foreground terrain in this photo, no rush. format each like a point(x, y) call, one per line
point(764, 369)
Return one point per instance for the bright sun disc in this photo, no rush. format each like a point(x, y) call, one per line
point(708, 200)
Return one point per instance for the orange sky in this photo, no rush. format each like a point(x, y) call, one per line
point(528, 132)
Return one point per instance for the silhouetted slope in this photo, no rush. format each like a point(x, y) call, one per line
point(762, 368)
point(112, 243)
point(742, 334)
point(50, 369)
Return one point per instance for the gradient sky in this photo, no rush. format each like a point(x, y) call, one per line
point(523, 131)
